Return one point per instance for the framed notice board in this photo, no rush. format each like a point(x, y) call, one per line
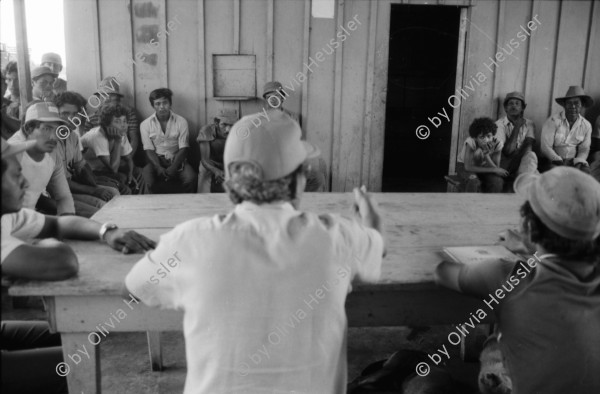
point(234, 77)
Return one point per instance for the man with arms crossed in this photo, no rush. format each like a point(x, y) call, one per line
point(264, 265)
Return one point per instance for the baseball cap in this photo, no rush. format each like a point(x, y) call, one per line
point(565, 199)
point(44, 112)
point(42, 70)
point(273, 144)
point(272, 86)
point(11, 149)
point(515, 95)
point(51, 57)
point(108, 85)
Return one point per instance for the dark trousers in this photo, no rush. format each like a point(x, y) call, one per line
point(185, 180)
point(30, 354)
point(487, 183)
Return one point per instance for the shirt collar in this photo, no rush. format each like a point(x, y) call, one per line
point(247, 206)
point(563, 117)
point(156, 118)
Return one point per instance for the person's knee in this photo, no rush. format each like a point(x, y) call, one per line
point(493, 184)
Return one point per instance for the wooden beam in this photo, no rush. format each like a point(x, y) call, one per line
point(22, 53)
point(236, 26)
point(369, 90)
point(202, 118)
point(305, 55)
point(460, 68)
point(338, 181)
point(96, 41)
point(270, 41)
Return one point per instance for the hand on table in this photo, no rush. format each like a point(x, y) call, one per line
point(365, 207)
point(128, 241)
point(515, 242)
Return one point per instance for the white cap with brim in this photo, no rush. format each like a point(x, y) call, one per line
point(565, 199)
point(273, 144)
point(43, 112)
point(11, 149)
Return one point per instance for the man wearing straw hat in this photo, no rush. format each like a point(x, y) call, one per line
point(263, 265)
point(566, 136)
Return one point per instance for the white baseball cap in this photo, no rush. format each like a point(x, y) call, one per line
point(273, 144)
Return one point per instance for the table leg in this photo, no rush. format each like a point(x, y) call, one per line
point(155, 350)
point(83, 359)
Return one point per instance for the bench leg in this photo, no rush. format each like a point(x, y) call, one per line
point(155, 350)
point(83, 375)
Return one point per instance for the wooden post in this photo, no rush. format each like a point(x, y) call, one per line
point(22, 53)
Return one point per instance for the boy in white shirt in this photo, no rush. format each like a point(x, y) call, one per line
point(264, 286)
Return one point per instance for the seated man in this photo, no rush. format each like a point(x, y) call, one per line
point(79, 175)
point(43, 170)
point(479, 160)
point(109, 92)
point(30, 353)
point(594, 158)
point(548, 308)
point(110, 155)
point(10, 123)
point(517, 134)
point(237, 276)
point(165, 140)
point(42, 82)
point(211, 139)
point(275, 95)
point(566, 136)
point(54, 62)
point(11, 78)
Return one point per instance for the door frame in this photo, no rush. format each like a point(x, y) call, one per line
point(377, 72)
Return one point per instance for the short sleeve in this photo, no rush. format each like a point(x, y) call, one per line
point(183, 134)
point(366, 248)
point(125, 146)
point(484, 278)
point(501, 134)
point(19, 227)
point(206, 133)
point(145, 134)
point(496, 145)
point(530, 129)
point(149, 279)
point(96, 144)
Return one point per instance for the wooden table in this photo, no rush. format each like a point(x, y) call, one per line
point(417, 227)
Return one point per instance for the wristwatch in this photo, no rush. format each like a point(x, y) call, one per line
point(105, 228)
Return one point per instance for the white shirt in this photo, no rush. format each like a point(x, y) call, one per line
point(263, 290)
point(505, 129)
point(19, 227)
point(559, 141)
point(165, 143)
point(49, 174)
point(97, 145)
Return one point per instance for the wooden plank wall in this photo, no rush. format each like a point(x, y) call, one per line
point(564, 50)
point(343, 99)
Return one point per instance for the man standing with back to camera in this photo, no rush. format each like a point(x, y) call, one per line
point(263, 265)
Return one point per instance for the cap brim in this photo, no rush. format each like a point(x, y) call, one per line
point(15, 148)
point(52, 119)
point(311, 150)
point(523, 184)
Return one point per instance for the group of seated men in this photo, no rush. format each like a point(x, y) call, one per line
point(81, 160)
point(495, 153)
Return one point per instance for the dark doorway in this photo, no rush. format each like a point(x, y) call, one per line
point(421, 77)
